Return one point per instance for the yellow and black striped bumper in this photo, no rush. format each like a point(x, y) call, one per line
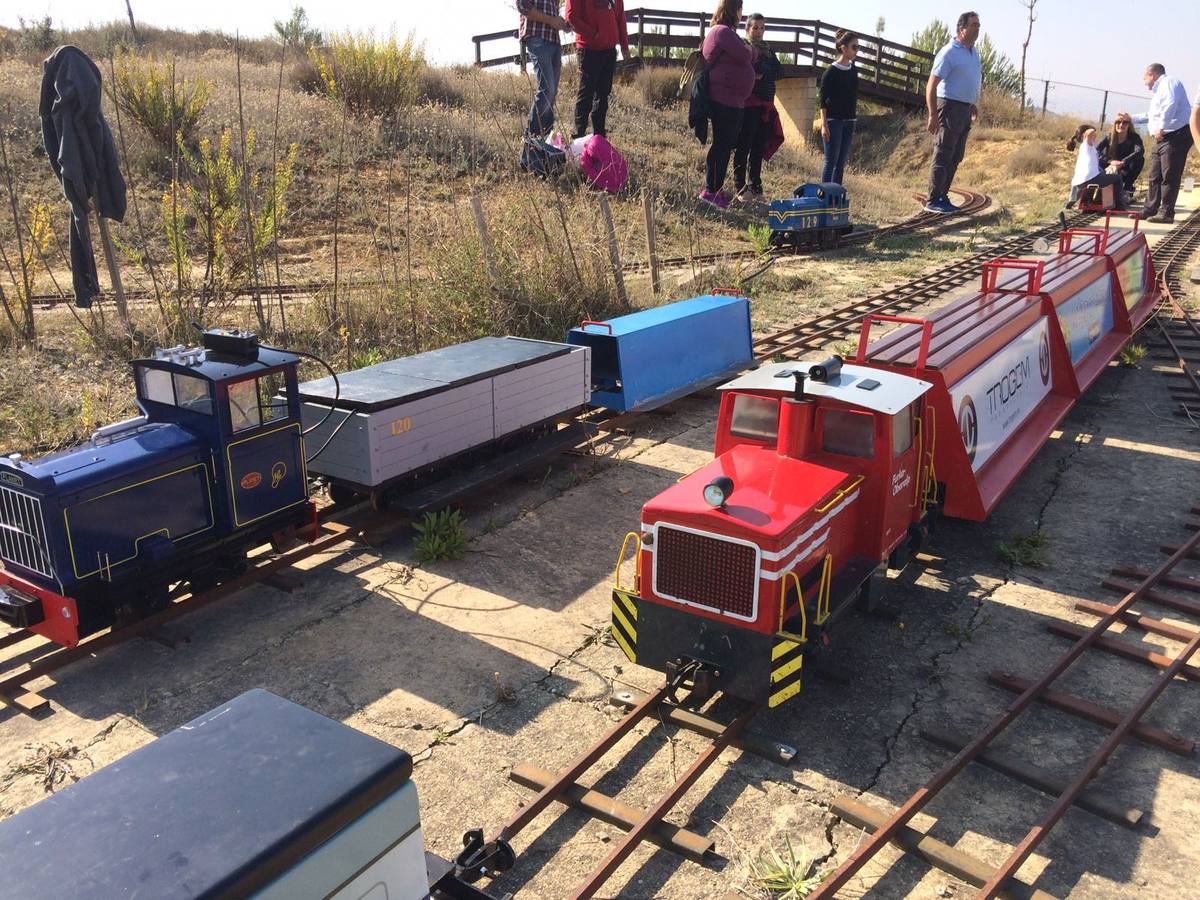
point(624, 622)
point(787, 660)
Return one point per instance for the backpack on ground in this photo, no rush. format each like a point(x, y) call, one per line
point(541, 158)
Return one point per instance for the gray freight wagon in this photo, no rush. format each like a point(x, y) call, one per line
point(412, 415)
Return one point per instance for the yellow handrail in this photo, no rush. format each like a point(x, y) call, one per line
point(783, 586)
point(930, 493)
point(637, 583)
point(919, 486)
point(825, 589)
point(840, 494)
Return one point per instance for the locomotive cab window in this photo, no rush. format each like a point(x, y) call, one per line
point(756, 418)
point(192, 393)
point(902, 431)
point(156, 386)
point(271, 402)
point(848, 433)
point(256, 401)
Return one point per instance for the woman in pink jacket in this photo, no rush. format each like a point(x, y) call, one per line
point(729, 62)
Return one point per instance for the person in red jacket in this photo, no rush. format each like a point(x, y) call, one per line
point(599, 27)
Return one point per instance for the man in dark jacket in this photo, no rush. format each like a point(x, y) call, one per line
point(599, 27)
point(82, 154)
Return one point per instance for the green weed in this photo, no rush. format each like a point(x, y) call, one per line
point(440, 535)
point(1132, 355)
point(760, 237)
point(1028, 550)
point(786, 878)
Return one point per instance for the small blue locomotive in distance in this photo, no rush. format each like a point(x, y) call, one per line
point(815, 214)
point(213, 466)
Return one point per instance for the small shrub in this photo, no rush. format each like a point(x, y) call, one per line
point(1028, 550)
point(441, 86)
point(440, 535)
point(1132, 355)
point(657, 85)
point(1030, 159)
point(144, 90)
point(372, 77)
point(304, 77)
point(786, 878)
point(760, 237)
point(296, 31)
point(36, 35)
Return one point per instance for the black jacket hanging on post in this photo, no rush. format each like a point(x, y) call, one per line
point(82, 154)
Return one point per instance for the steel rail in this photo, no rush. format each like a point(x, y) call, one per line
point(866, 850)
point(974, 202)
point(812, 334)
point(1092, 768)
point(639, 832)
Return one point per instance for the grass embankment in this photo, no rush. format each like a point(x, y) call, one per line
point(374, 209)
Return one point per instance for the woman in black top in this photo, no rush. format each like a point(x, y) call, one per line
point(756, 121)
point(839, 106)
point(1123, 148)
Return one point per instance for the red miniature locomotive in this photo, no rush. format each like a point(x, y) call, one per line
point(825, 476)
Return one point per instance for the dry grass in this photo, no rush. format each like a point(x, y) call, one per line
point(410, 270)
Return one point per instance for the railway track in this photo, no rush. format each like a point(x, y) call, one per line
point(972, 202)
point(839, 324)
point(495, 855)
point(1178, 330)
point(1168, 587)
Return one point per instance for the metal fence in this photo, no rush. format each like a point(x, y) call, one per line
point(1098, 104)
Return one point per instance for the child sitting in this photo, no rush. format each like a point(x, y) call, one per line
point(1087, 168)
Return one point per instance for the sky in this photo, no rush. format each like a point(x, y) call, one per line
point(1107, 50)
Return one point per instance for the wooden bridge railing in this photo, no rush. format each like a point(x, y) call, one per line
point(887, 70)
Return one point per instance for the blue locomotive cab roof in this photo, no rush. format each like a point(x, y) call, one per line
point(216, 367)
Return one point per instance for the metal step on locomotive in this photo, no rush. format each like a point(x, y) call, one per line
point(826, 476)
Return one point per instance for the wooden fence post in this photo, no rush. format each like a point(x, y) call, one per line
point(614, 252)
point(1104, 109)
point(651, 245)
point(1045, 98)
point(485, 239)
point(114, 271)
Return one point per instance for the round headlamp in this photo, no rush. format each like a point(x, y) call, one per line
point(717, 491)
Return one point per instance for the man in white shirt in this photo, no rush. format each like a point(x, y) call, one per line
point(1167, 121)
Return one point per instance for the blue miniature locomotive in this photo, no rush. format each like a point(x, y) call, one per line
point(214, 465)
point(815, 213)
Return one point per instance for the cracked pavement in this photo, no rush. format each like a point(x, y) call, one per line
point(499, 658)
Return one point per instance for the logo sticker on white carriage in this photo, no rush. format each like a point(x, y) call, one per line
point(401, 426)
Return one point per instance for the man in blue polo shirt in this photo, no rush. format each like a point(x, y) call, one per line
point(951, 97)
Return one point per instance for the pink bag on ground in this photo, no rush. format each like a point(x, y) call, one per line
point(604, 167)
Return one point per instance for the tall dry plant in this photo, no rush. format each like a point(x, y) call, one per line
point(369, 75)
point(148, 92)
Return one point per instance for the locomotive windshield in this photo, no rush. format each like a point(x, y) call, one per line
point(257, 401)
point(756, 418)
point(848, 433)
point(175, 389)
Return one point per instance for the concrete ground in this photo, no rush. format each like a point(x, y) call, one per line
point(502, 657)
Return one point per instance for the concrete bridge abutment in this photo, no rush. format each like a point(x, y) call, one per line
point(796, 101)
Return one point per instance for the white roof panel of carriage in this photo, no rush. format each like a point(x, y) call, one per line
point(890, 393)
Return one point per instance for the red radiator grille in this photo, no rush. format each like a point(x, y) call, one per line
point(708, 571)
